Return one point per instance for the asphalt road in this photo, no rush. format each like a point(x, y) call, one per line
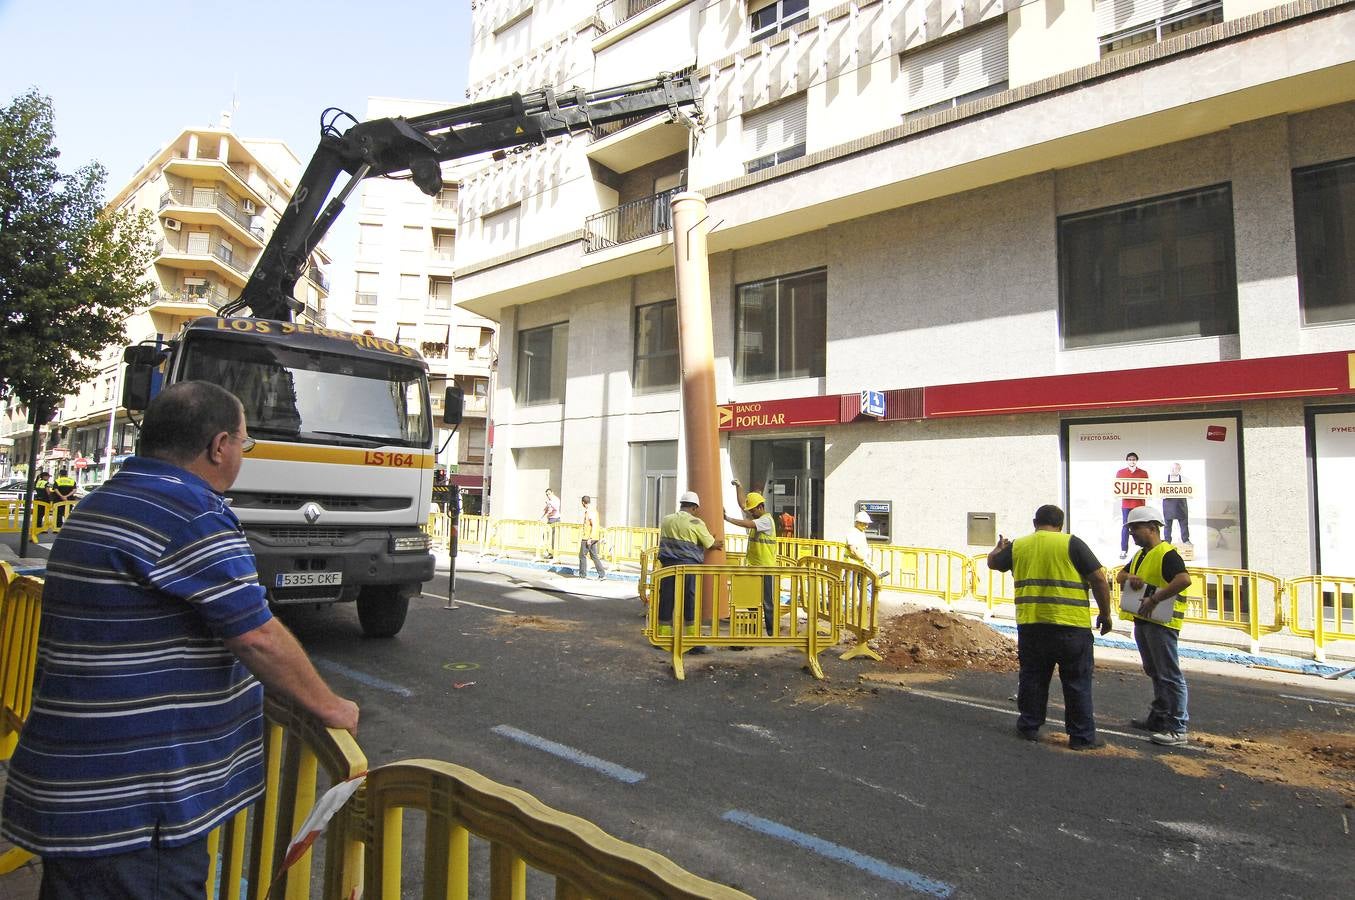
point(753, 774)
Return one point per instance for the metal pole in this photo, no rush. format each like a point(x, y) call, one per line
point(696, 351)
point(112, 425)
point(39, 417)
point(454, 511)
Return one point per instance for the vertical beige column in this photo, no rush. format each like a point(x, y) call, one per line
point(696, 352)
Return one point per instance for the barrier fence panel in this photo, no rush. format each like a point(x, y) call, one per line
point(623, 544)
point(858, 611)
point(1322, 607)
point(475, 533)
point(794, 590)
point(944, 574)
point(1236, 599)
point(459, 805)
point(20, 615)
point(523, 535)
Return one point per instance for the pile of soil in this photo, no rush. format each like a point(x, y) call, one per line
point(1301, 759)
point(506, 624)
point(937, 639)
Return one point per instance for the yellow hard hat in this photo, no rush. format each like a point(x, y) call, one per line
point(753, 500)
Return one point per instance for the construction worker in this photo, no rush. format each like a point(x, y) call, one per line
point(683, 541)
point(858, 551)
point(1159, 571)
point(1052, 572)
point(761, 546)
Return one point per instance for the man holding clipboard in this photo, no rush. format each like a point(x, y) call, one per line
point(1152, 587)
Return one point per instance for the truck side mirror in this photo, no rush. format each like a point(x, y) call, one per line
point(453, 405)
point(136, 386)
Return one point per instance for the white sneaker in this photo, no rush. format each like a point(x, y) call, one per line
point(1169, 738)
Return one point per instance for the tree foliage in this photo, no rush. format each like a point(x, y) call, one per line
point(71, 272)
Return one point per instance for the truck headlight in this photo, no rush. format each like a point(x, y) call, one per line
point(408, 543)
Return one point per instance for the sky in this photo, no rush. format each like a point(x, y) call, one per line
point(126, 76)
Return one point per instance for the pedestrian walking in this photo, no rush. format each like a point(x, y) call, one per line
point(1158, 570)
point(1052, 572)
point(550, 514)
point(147, 720)
point(683, 541)
point(588, 541)
point(761, 546)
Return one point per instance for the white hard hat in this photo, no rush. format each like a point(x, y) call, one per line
point(1144, 514)
point(689, 497)
point(863, 518)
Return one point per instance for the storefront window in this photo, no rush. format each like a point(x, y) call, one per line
point(1334, 463)
point(781, 327)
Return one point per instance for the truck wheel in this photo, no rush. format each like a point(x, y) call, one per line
point(381, 610)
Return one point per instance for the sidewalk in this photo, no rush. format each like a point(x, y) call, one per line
point(33, 563)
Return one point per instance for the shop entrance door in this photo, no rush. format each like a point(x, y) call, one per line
point(790, 475)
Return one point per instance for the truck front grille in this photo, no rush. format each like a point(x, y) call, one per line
point(303, 535)
point(329, 502)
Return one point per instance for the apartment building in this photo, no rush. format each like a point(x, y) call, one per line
point(966, 258)
point(216, 198)
point(403, 290)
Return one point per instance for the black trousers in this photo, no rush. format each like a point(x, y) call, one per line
point(666, 591)
point(155, 873)
point(1041, 647)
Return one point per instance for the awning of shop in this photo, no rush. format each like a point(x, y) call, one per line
point(468, 481)
point(433, 334)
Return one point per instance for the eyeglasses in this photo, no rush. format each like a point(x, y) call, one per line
point(246, 443)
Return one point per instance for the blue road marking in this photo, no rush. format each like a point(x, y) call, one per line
point(360, 677)
point(869, 864)
point(610, 769)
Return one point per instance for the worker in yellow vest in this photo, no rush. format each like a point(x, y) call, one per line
point(64, 490)
point(1158, 570)
point(42, 488)
point(683, 541)
point(761, 546)
point(1053, 572)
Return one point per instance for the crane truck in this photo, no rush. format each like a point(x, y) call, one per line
point(337, 487)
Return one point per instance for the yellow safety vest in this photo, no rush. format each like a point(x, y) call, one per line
point(762, 545)
point(1147, 565)
point(1049, 589)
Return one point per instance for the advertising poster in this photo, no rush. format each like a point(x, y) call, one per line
point(1334, 451)
point(1186, 468)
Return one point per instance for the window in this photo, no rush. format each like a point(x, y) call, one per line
point(440, 293)
point(444, 245)
point(774, 134)
point(412, 239)
point(199, 243)
point(656, 347)
point(411, 287)
point(475, 444)
point(781, 327)
point(366, 289)
point(1128, 24)
point(369, 240)
point(513, 39)
point(446, 199)
point(954, 72)
point(407, 334)
point(776, 16)
point(1324, 226)
point(541, 364)
point(1150, 270)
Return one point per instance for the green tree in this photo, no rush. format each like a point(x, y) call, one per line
point(71, 272)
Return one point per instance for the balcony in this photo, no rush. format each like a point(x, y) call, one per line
point(630, 221)
point(205, 169)
point(315, 274)
point(612, 13)
point(191, 300)
point(213, 255)
point(211, 208)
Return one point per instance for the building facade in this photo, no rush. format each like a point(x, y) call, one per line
point(966, 259)
point(216, 198)
point(403, 290)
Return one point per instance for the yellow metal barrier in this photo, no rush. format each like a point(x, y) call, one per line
point(1322, 607)
point(858, 611)
point(624, 544)
point(12, 518)
point(475, 533)
point(458, 804)
point(1237, 599)
point(20, 613)
point(814, 591)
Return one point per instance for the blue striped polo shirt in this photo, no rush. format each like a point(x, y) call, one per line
point(142, 720)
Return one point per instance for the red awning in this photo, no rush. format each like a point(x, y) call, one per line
point(468, 481)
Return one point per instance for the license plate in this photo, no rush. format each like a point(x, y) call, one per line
point(309, 579)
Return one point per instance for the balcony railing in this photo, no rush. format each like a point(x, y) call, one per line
point(630, 221)
point(216, 200)
point(215, 248)
point(209, 294)
point(314, 273)
point(612, 13)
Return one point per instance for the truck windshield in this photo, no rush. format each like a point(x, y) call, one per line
point(316, 397)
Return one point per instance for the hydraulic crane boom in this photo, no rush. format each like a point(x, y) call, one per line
point(419, 145)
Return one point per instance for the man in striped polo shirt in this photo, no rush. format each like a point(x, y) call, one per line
point(147, 715)
point(1052, 572)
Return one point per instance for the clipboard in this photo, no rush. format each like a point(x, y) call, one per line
point(1131, 601)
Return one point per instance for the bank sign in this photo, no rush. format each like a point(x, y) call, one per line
point(798, 413)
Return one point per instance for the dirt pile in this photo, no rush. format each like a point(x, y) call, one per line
point(937, 639)
point(1301, 759)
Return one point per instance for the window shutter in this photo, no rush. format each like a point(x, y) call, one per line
point(1113, 16)
point(368, 282)
point(962, 66)
point(775, 127)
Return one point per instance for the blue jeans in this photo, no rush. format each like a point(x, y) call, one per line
point(1040, 647)
point(1162, 663)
